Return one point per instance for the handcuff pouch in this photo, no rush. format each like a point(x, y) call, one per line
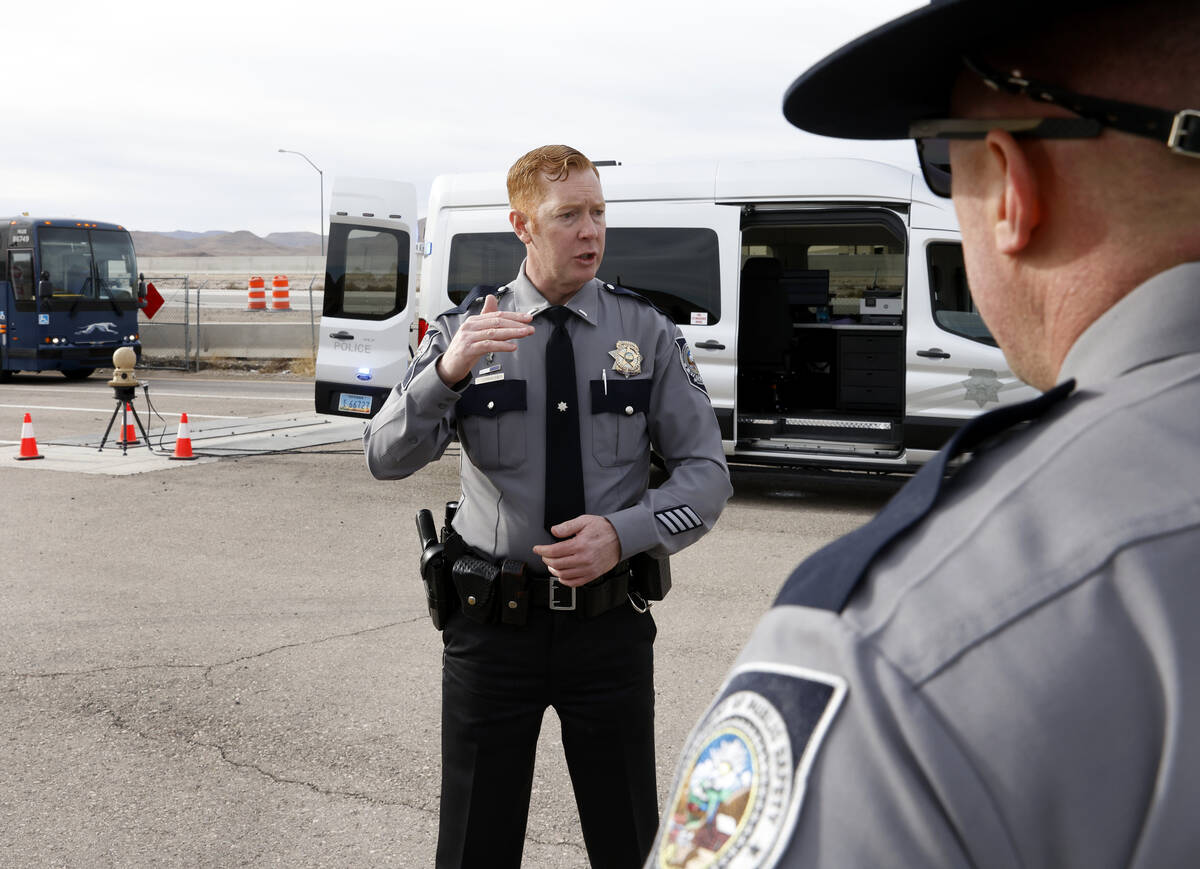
point(476, 581)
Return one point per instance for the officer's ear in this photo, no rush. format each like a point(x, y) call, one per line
point(1016, 205)
point(521, 225)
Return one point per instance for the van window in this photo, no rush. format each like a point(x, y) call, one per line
point(849, 273)
point(366, 272)
point(476, 258)
point(953, 307)
point(678, 269)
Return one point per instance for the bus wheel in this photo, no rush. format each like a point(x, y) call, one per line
point(78, 373)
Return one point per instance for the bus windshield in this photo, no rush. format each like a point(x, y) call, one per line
point(88, 264)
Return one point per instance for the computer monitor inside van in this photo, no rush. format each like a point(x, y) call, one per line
point(806, 287)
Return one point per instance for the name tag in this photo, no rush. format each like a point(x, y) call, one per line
point(489, 374)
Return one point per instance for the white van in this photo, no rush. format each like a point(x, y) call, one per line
point(825, 300)
point(370, 295)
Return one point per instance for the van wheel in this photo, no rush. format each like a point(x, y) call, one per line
point(78, 373)
point(5, 376)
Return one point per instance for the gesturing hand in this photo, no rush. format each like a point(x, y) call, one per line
point(489, 331)
point(594, 550)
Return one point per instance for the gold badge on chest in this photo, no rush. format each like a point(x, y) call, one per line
point(627, 358)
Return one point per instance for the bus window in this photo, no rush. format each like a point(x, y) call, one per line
point(366, 272)
point(67, 256)
point(21, 268)
point(114, 264)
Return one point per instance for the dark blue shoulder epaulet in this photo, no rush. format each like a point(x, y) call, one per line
point(477, 292)
point(618, 290)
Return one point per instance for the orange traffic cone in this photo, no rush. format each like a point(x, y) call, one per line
point(256, 289)
point(131, 437)
point(183, 440)
point(280, 298)
point(28, 442)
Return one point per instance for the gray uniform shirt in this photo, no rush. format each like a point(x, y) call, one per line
point(1016, 682)
point(500, 423)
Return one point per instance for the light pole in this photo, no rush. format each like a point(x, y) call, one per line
point(322, 174)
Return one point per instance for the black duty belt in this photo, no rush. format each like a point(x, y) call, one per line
point(503, 589)
point(598, 596)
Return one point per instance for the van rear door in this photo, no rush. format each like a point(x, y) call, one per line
point(370, 295)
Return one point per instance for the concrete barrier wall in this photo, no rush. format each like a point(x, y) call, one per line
point(230, 340)
point(233, 265)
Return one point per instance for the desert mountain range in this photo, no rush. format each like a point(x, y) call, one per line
point(222, 243)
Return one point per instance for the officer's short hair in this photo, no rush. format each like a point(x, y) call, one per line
point(527, 177)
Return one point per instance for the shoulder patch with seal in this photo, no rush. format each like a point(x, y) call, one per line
point(422, 350)
point(690, 368)
point(742, 777)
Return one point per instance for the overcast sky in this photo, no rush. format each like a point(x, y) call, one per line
point(169, 115)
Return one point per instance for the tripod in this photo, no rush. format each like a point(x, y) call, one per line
point(125, 396)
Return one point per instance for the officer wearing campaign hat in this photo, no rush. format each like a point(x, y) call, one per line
point(1000, 669)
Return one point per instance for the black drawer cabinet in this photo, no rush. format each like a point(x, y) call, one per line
point(875, 378)
point(871, 372)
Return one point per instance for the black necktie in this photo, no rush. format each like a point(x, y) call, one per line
point(564, 468)
point(828, 577)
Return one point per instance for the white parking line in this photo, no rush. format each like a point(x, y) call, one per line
point(239, 397)
point(109, 410)
point(307, 398)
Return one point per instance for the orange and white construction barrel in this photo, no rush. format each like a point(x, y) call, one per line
point(280, 299)
point(257, 294)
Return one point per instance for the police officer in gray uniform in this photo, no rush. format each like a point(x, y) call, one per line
point(1002, 669)
point(556, 385)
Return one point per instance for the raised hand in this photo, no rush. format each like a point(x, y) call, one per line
point(489, 331)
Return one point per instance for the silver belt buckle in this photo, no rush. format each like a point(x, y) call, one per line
point(1185, 133)
point(555, 585)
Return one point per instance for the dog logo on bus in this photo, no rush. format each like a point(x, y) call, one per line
point(97, 329)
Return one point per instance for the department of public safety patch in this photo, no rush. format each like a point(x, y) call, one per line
point(627, 358)
point(690, 368)
point(741, 779)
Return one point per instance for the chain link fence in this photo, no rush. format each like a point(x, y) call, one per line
point(204, 317)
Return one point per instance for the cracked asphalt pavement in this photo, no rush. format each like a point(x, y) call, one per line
point(231, 665)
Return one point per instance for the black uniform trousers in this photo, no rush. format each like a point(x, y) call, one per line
point(497, 681)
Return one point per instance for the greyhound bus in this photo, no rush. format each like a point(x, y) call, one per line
point(69, 295)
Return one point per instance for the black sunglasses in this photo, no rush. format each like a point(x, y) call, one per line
point(1180, 131)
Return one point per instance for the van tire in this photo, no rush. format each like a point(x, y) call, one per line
point(78, 373)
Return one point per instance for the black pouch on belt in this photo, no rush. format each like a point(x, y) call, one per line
point(514, 592)
point(477, 582)
point(651, 576)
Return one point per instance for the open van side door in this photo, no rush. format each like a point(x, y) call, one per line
point(370, 295)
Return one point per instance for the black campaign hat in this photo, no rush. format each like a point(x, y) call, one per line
point(875, 86)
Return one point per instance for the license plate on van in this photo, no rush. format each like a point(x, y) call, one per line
point(349, 402)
